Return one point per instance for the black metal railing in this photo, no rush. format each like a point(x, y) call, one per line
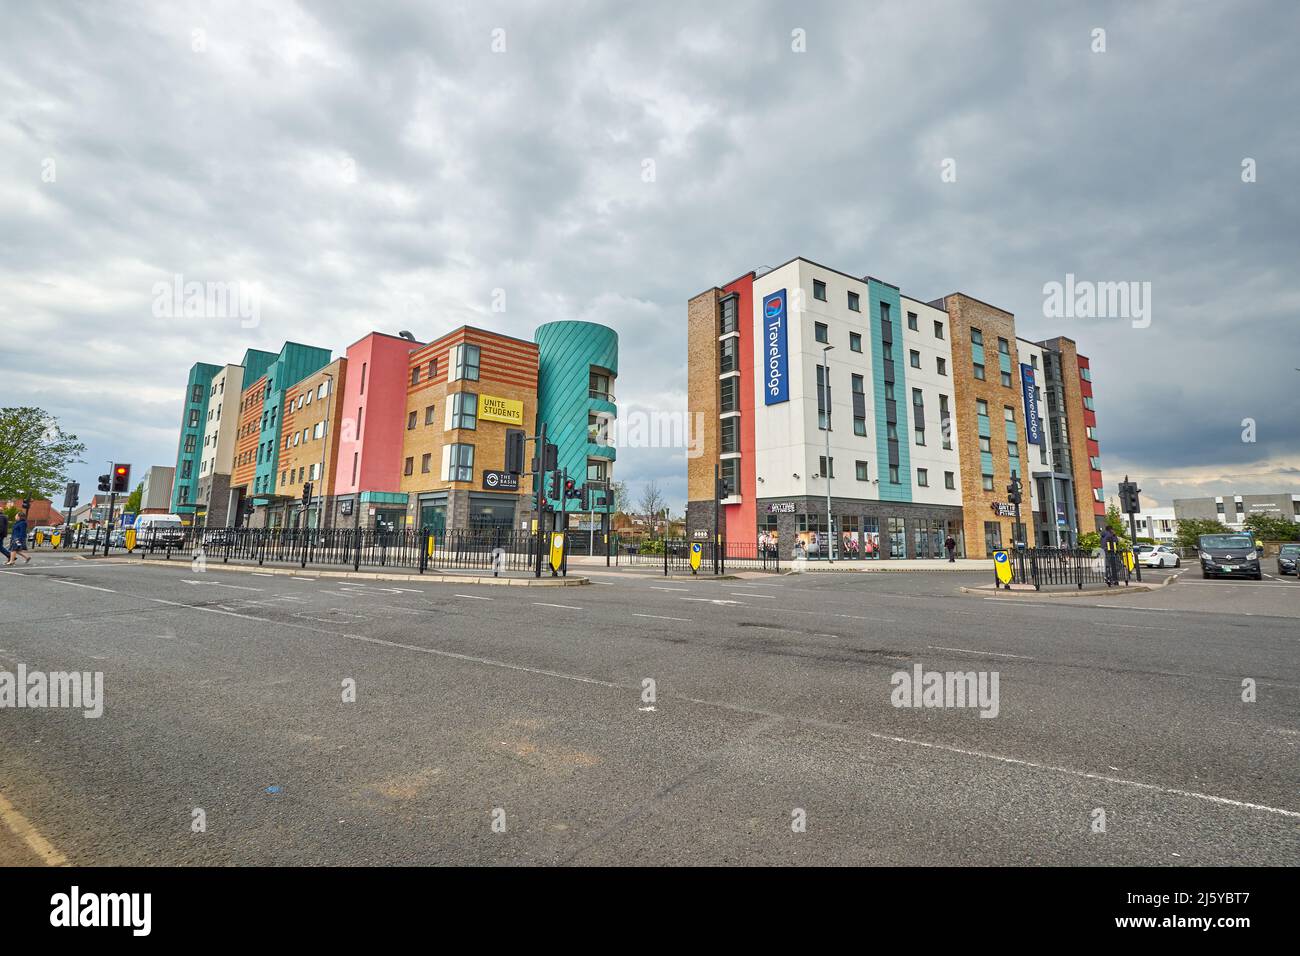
point(1046, 567)
point(674, 554)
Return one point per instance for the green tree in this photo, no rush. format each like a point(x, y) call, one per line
point(34, 453)
point(1189, 530)
point(132, 505)
point(618, 489)
point(1273, 527)
point(1117, 522)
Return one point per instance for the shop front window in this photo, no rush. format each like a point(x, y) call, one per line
point(897, 538)
point(871, 538)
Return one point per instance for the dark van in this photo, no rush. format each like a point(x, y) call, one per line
point(1229, 554)
point(1288, 556)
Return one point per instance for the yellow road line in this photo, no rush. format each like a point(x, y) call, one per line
point(22, 828)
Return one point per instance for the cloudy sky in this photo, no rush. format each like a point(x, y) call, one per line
point(372, 166)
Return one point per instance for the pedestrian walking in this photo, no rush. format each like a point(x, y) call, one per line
point(18, 540)
point(4, 532)
point(950, 543)
point(1110, 552)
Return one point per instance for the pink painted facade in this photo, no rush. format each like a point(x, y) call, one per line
point(374, 414)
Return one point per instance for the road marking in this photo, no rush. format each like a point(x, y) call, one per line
point(968, 650)
point(296, 578)
point(664, 617)
point(74, 584)
point(474, 597)
point(765, 597)
point(218, 584)
point(567, 607)
point(22, 828)
point(409, 591)
point(1135, 627)
point(714, 601)
point(655, 587)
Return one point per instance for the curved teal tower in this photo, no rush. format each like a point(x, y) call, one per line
point(577, 371)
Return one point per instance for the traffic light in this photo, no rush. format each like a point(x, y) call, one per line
point(306, 494)
point(724, 489)
point(105, 482)
point(71, 494)
point(556, 487)
point(121, 479)
point(571, 489)
point(515, 439)
point(27, 504)
point(1129, 501)
point(1013, 491)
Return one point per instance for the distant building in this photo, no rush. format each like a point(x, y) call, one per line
point(156, 496)
point(1233, 510)
point(41, 513)
point(1158, 524)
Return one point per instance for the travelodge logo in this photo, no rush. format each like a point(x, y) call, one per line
point(776, 363)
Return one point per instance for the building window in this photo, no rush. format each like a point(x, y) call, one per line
point(425, 460)
point(914, 358)
point(318, 430)
point(976, 336)
point(187, 468)
point(949, 480)
point(855, 342)
point(1004, 346)
point(1087, 403)
point(432, 369)
point(884, 313)
point(598, 469)
point(860, 470)
point(729, 472)
point(410, 467)
point(1085, 374)
point(467, 363)
point(855, 304)
point(819, 290)
point(987, 482)
point(363, 378)
point(893, 475)
point(822, 470)
point(860, 425)
point(1091, 431)
point(191, 442)
point(1013, 449)
point(1006, 379)
point(410, 421)
point(730, 441)
point(415, 375)
point(823, 398)
point(979, 372)
point(356, 455)
point(726, 357)
point(984, 443)
point(428, 415)
point(820, 333)
point(981, 407)
point(460, 463)
point(911, 321)
point(194, 418)
point(728, 323)
point(941, 365)
point(920, 434)
point(938, 329)
point(728, 390)
point(923, 478)
point(1008, 413)
point(464, 410)
point(598, 383)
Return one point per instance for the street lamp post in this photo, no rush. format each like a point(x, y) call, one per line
point(826, 387)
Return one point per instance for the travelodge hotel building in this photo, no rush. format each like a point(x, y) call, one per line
point(929, 407)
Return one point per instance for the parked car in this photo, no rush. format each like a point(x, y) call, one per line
point(160, 531)
point(1288, 556)
point(1157, 556)
point(1229, 554)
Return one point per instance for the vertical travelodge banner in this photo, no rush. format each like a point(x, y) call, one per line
point(1027, 384)
point(776, 371)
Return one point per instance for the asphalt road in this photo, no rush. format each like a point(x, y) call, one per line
point(524, 708)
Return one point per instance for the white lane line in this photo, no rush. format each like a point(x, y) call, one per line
point(655, 587)
point(406, 590)
point(765, 597)
point(91, 587)
point(715, 601)
point(296, 578)
point(22, 828)
point(263, 574)
point(968, 650)
point(663, 617)
point(218, 584)
point(474, 597)
point(1134, 627)
point(567, 607)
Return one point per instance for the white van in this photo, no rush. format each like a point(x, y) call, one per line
point(159, 530)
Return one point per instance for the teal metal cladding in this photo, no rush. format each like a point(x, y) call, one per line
point(879, 292)
point(200, 380)
point(567, 352)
